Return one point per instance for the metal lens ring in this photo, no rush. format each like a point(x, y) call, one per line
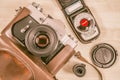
point(85, 21)
point(79, 70)
point(103, 55)
point(41, 40)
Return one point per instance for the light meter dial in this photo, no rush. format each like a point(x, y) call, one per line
point(84, 22)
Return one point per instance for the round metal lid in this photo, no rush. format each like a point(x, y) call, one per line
point(103, 55)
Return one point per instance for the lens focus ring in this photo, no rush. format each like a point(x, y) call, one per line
point(41, 40)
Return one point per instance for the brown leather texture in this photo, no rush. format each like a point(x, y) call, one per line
point(12, 69)
point(60, 60)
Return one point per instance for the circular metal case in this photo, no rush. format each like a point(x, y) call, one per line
point(103, 55)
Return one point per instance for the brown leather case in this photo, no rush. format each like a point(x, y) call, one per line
point(56, 63)
point(17, 64)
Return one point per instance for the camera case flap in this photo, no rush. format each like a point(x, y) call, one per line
point(16, 65)
point(25, 31)
point(60, 60)
point(12, 68)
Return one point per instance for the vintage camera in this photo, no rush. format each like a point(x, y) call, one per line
point(80, 19)
point(38, 43)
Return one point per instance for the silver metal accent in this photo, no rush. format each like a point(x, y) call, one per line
point(68, 41)
point(19, 9)
point(30, 21)
point(37, 6)
point(37, 15)
point(74, 7)
point(57, 25)
point(81, 16)
point(23, 30)
point(92, 30)
point(90, 34)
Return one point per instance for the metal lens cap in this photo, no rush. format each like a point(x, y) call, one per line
point(103, 55)
point(79, 70)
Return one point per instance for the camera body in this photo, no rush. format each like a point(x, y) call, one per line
point(80, 19)
point(38, 41)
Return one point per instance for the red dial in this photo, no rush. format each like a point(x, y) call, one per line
point(84, 23)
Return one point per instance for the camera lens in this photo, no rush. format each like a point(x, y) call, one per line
point(42, 41)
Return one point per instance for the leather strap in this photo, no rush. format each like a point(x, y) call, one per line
point(80, 57)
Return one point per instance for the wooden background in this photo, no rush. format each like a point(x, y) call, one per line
point(107, 14)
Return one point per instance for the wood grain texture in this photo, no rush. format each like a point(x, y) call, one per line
point(107, 15)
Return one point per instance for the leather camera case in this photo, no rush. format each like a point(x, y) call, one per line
point(16, 63)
